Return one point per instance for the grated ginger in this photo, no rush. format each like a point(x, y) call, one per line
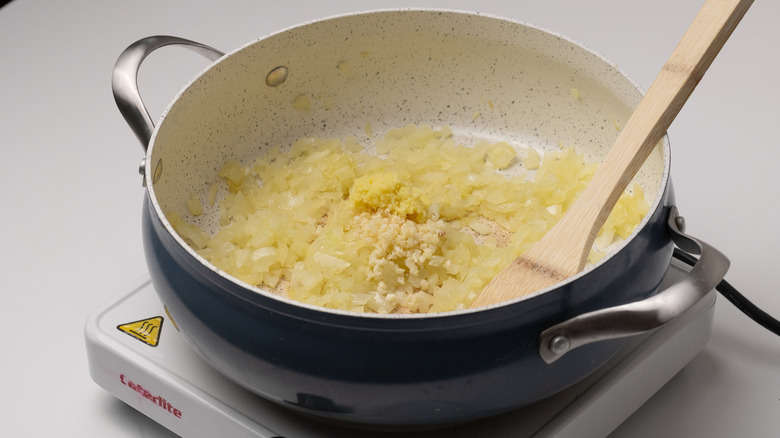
point(387, 190)
point(423, 227)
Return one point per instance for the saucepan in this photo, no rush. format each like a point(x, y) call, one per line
point(485, 77)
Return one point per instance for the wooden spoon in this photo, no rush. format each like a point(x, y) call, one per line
point(563, 251)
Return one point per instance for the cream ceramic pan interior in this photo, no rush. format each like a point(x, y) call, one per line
point(485, 77)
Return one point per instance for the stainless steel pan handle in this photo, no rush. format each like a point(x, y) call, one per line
point(645, 315)
point(124, 80)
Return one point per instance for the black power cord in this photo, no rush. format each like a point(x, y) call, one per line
point(737, 299)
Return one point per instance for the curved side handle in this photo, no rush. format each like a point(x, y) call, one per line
point(645, 315)
point(124, 80)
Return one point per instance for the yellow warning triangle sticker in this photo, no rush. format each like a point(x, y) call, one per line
point(145, 330)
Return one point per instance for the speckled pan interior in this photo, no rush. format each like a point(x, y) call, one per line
point(485, 77)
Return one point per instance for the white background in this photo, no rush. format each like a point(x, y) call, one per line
point(71, 196)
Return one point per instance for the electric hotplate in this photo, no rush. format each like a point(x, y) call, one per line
point(136, 352)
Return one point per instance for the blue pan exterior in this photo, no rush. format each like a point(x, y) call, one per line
point(381, 372)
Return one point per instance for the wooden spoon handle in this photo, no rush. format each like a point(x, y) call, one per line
point(564, 250)
point(647, 125)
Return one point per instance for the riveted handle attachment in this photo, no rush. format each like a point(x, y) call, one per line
point(645, 315)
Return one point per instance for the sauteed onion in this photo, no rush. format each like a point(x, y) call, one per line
point(421, 225)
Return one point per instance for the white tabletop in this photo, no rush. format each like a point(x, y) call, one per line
point(71, 195)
